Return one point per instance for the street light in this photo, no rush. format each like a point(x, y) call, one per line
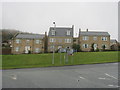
point(53, 44)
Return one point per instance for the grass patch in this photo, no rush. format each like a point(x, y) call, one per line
point(45, 60)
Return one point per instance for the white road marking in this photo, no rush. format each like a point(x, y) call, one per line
point(115, 63)
point(113, 86)
point(82, 77)
point(101, 78)
point(14, 77)
point(110, 76)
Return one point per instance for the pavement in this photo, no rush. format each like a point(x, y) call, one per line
point(79, 76)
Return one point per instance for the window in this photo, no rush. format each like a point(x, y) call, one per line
point(53, 32)
point(104, 45)
point(85, 45)
point(85, 37)
point(17, 40)
point(52, 40)
point(37, 41)
point(51, 47)
point(104, 38)
point(68, 32)
point(67, 40)
point(17, 49)
point(37, 50)
point(27, 41)
point(94, 38)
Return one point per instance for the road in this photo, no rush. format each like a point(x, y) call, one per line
point(79, 76)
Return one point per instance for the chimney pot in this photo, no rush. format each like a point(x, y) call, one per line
point(87, 30)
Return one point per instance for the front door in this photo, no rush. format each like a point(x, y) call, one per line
point(27, 49)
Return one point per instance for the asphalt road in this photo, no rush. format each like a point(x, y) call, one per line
point(80, 76)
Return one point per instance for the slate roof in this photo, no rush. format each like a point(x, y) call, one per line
point(91, 33)
point(30, 36)
point(61, 31)
point(113, 40)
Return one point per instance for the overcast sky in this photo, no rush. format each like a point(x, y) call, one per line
point(37, 17)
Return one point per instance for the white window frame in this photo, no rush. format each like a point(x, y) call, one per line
point(27, 41)
point(53, 32)
point(37, 50)
point(37, 41)
point(105, 46)
point(52, 39)
point(94, 38)
point(17, 49)
point(104, 38)
point(68, 40)
point(84, 46)
point(68, 32)
point(18, 41)
point(85, 38)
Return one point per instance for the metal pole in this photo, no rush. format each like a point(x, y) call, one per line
point(53, 45)
point(60, 56)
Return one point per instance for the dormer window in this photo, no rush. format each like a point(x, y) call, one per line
point(68, 32)
point(53, 32)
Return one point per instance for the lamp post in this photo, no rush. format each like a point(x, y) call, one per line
point(53, 43)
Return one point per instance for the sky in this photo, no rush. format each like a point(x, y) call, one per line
point(37, 17)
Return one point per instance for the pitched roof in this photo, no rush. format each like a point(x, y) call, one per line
point(113, 40)
point(30, 36)
point(61, 31)
point(91, 33)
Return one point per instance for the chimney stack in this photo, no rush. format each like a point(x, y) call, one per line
point(87, 30)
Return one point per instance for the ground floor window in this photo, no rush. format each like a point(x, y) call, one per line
point(37, 50)
point(85, 45)
point(17, 49)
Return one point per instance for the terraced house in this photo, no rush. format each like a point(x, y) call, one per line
point(98, 39)
point(60, 37)
point(28, 43)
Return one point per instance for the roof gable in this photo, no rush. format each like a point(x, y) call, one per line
point(61, 31)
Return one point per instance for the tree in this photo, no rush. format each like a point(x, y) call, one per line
point(76, 47)
point(92, 47)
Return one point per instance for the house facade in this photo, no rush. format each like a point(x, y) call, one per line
point(60, 37)
point(27, 43)
point(98, 39)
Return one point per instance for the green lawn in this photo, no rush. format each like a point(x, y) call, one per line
point(45, 60)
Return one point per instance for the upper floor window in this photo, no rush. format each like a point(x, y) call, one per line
point(53, 32)
point(85, 45)
point(52, 40)
point(104, 38)
point(17, 40)
point(27, 41)
point(94, 38)
point(85, 37)
point(68, 40)
point(38, 41)
point(68, 32)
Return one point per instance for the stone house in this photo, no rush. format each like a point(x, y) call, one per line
point(60, 37)
point(27, 43)
point(87, 38)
